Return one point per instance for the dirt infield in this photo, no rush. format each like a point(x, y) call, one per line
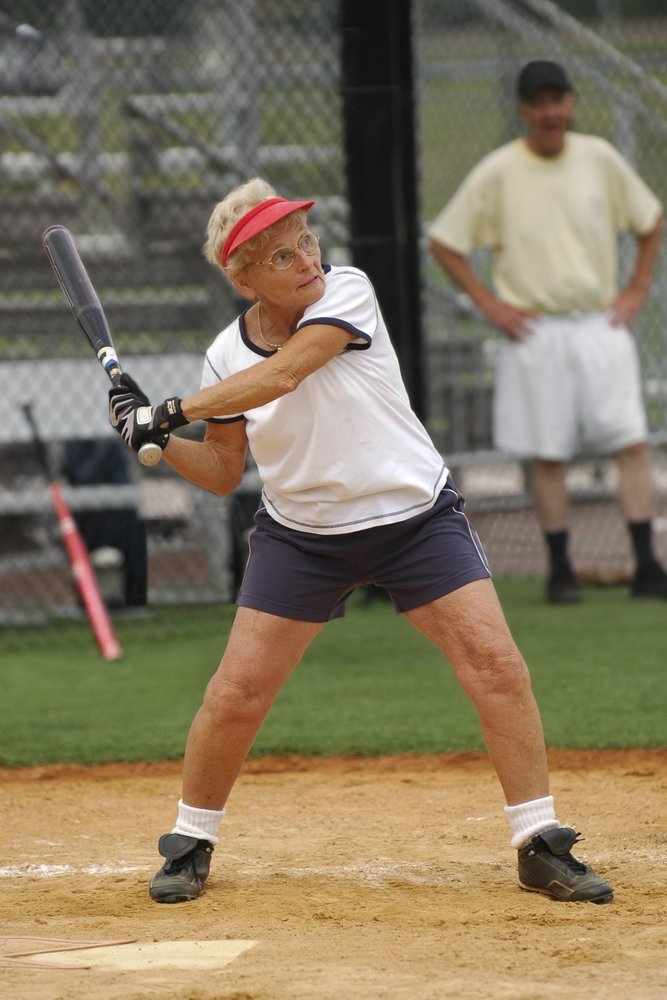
point(343, 878)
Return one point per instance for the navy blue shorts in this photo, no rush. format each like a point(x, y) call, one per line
point(308, 577)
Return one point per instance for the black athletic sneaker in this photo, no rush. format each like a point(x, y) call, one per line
point(650, 581)
point(562, 588)
point(546, 865)
point(183, 874)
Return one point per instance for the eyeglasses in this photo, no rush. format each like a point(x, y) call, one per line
point(283, 258)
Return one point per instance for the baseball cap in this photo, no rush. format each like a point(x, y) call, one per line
point(257, 219)
point(539, 75)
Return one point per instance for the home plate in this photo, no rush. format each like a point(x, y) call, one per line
point(153, 955)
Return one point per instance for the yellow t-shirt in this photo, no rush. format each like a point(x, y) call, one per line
point(551, 223)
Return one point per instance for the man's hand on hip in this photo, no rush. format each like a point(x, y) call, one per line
point(626, 306)
point(514, 323)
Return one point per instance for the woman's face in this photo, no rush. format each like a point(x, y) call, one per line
point(291, 288)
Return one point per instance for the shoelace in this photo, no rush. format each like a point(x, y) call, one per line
point(576, 866)
point(176, 864)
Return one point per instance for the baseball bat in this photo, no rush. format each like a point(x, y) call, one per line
point(77, 554)
point(87, 309)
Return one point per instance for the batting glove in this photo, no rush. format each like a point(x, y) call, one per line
point(132, 416)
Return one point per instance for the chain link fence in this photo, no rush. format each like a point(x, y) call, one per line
point(127, 121)
point(468, 57)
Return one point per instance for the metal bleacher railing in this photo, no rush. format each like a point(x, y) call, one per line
point(128, 122)
point(130, 146)
point(467, 60)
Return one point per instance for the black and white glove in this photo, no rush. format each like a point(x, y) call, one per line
point(133, 417)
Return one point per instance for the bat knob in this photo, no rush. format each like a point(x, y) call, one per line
point(150, 454)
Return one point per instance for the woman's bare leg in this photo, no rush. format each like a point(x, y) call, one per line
point(469, 627)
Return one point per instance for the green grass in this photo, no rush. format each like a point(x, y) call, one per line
point(368, 685)
point(598, 668)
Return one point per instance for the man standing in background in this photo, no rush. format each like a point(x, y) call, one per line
point(550, 206)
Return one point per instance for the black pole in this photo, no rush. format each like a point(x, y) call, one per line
point(378, 113)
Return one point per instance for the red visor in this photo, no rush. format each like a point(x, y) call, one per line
point(257, 219)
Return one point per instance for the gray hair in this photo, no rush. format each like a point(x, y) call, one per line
point(227, 213)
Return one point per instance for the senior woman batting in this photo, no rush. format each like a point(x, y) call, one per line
point(354, 493)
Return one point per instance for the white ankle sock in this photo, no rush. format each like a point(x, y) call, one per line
point(528, 818)
point(200, 823)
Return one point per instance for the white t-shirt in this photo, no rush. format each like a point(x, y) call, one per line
point(550, 222)
point(344, 451)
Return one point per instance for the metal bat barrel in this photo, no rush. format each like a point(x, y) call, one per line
point(77, 286)
point(87, 310)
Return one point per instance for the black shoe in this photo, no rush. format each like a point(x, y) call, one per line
point(546, 865)
point(183, 874)
point(650, 581)
point(562, 588)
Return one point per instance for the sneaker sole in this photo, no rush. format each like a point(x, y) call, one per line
point(603, 897)
point(184, 893)
point(172, 896)
point(173, 899)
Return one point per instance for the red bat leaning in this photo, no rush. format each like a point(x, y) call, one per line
point(84, 577)
point(77, 553)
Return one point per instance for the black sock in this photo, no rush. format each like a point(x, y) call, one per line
point(642, 540)
point(557, 544)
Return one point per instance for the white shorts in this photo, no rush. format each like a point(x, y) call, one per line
point(572, 386)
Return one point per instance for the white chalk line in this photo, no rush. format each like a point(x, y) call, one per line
point(377, 873)
point(56, 871)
